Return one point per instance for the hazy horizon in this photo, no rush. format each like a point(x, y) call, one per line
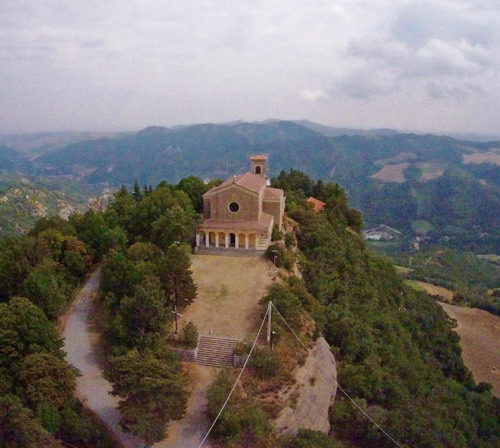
point(120, 66)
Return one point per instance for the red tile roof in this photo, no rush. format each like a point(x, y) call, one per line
point(248, 180)
point(316, 203)
point(273, 193)
point(258, 157)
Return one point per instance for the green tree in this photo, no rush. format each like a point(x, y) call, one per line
point(19, 428)
point(24, 329)
point(195, 188)
point(152, 389)
point(46, 378)
point(49, 287)
point(145, 313)
point(174, 272)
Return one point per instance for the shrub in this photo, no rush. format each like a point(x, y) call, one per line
point(277, 234)
point(266, 363)
point(284, 259)
point(290, 240)
point(190, 335)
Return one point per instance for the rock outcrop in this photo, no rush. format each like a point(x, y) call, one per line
point(312, 394)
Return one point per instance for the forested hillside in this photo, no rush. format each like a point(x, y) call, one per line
point(139, 239)
point(398, 357)
point(38, 274)
point(443, 189)
point(397, 354)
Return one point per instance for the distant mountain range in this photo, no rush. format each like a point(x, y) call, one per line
point(438, 187)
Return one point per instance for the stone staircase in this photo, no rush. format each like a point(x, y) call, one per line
point(216, 351)
point(230, 252)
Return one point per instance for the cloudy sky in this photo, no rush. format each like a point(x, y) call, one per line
point(427, 65)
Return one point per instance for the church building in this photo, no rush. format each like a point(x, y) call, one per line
point(241, 212)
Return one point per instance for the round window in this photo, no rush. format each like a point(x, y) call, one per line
point(234, 207)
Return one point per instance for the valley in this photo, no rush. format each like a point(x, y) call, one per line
point(444, 190)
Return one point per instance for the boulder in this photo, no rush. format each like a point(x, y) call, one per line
point(314, 392)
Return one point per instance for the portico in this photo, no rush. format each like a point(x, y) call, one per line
point(229, 239)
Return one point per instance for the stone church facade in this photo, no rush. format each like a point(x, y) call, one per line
point(241, 212)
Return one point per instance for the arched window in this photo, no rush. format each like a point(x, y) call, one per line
point(258, 170)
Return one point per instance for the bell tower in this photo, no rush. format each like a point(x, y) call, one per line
point(259, 165)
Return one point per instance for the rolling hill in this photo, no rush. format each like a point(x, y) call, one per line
point(435, 187)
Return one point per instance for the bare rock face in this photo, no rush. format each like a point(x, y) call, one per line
point(314, 392)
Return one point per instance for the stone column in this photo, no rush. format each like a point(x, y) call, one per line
point(227, 241)
point(236, 240)
point(217, 239)
point(197, 239)
point(207, 239)
point(246, 240)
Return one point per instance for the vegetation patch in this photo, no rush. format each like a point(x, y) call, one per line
point(431, 170)
point(421, 227)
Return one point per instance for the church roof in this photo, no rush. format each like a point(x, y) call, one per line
point(251, 181)
point(232, 224)
point(273, 193)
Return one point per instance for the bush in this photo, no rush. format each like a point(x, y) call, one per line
point(266, 363)
point(290, 240)
point(285, 301)
point(284, 259)
point(190, 335)
point(307, 438)
point(242, 348)
point(277, 234)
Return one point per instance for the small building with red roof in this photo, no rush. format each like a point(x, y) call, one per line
point(316, 203)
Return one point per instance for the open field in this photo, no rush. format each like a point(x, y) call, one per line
point(402, 157)
point(229, 290)
point(402, 270)
point(392, 173)
point(433, 290)
point(492, 156)
point(431, 170)
point(479, 333)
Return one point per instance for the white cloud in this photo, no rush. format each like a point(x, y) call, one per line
point(70, 65)
point(313, 95)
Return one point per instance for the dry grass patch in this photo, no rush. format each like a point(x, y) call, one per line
point(492, 156)
point(479, 333)
point(392, 173)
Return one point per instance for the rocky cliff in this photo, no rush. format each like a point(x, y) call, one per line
point(309, 399)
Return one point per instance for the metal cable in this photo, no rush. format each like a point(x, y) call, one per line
point(338, 385)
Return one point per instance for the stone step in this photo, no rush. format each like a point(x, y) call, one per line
point(216, 351)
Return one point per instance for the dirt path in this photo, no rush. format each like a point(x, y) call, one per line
point(479, 333)
point(189, 432)
point(79, 344)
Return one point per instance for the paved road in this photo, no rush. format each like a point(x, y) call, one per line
point(79, 344)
